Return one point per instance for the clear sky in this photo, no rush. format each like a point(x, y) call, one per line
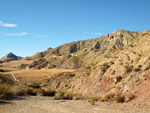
point(30, 26)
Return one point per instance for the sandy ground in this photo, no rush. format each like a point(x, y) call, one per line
point(39, 104)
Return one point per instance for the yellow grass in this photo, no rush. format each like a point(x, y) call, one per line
point(35, 75)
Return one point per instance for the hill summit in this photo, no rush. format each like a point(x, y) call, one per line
point(9, 57)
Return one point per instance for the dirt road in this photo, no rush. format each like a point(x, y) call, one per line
point(39, 104)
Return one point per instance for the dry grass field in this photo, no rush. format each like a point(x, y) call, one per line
point(32, 75)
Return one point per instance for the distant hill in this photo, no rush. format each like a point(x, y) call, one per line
point(9, 57)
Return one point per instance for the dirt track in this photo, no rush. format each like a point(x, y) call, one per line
point(39, 104)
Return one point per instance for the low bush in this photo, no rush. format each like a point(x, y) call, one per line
point(93, 100)
point(68, 96)
point(137, 69)
point(59, 95)
point(31, 91)
point(5, 90)
point(108, 97)
point(34, 85)
point(118, 79)
point(120, 98)
point(48, 92)
point(18, 91)
point(77, 96)
point(105, 67)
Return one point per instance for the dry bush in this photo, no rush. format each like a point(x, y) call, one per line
point(59, 95)
point(5, 90)
point(137, 69)
point(18, 91)
point(77, 96)
point(34, 85)
point(120, 98)
point(48, 92)
point(68, 96)
point(131, 96)
point(118, 79)
point(93, 100)
point(105, 67)
point(6, 79)
point(108, 97)
point(31, 91)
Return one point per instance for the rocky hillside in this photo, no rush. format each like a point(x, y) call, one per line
point(83, 54)
point(9, 57)
point(126, 70)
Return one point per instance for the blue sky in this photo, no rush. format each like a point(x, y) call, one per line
point(30, 26)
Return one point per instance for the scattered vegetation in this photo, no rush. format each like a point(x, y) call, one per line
point(105, 67)
point(118, 79)
point(137, 69)
point(34, 85)
point(129, 68)
point(108, 97)
point(67, 96)
point(148, 67)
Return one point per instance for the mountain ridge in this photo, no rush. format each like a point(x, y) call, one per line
point(84, 52)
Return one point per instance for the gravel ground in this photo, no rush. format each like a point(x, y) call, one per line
point(39, 104)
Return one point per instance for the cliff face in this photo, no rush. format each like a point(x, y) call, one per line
point(85, 53)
